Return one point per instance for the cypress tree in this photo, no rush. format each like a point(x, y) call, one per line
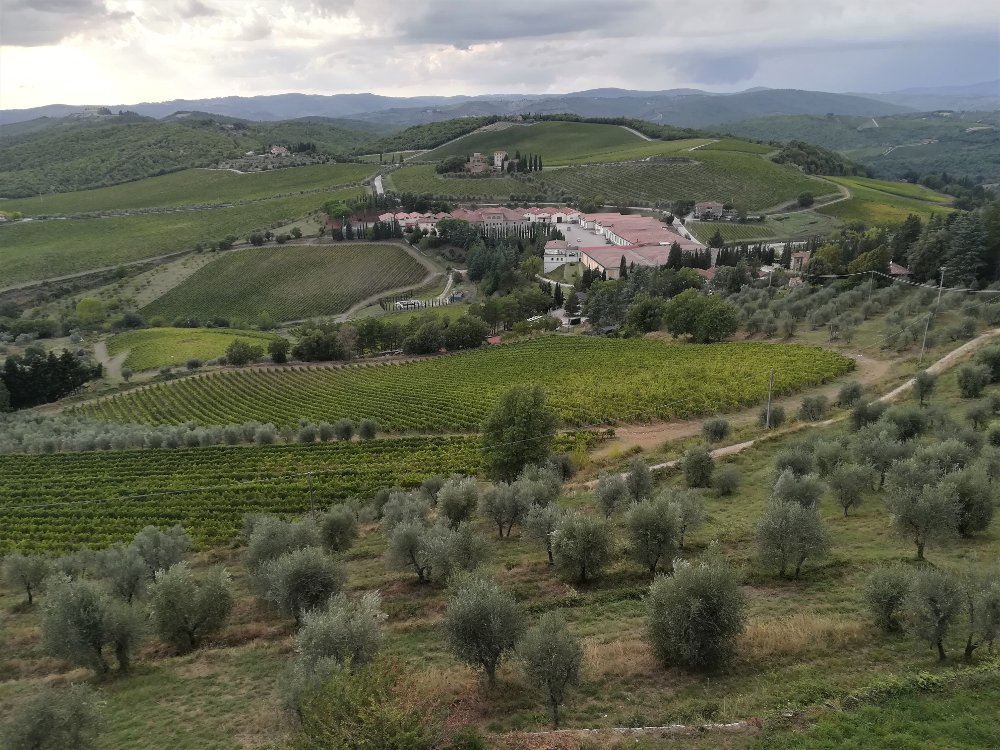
point(622, 269)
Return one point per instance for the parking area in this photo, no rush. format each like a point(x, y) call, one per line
point(576, 236)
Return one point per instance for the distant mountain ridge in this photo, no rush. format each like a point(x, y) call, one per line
point(681, 107)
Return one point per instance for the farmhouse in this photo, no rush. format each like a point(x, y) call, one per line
point(477, 163)
point(499, 157)
point(708, 210)
point(800, 260)
point(278, 151)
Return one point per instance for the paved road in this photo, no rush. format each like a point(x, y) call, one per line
point(377, 184)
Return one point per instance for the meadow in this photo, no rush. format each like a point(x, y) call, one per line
point(38, 250)
point(288, 282)
point(152, 348)
point(879, 202)
point(236, 480)
point(422, 179)
point(194, 187)
point(777, 227)
point(746, 180)
point(598, 381)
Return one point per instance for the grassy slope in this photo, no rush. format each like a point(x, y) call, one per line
point(600, 380)
point(152, 348)
point(194, 187)
point(799, 225)
point(45, 249)
point(289, 282)
point(421, 178)
point(879, 202)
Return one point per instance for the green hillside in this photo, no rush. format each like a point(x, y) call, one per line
point(555, 142)
point(38, 250)
point(288, 282)
point(965, 144)
point(151, 348)
point(879, 202)
point(193, 187)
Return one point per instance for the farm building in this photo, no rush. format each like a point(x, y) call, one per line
point(558, 253)
point(708, 210)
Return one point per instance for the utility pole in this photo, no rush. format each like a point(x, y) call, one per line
point(927, 326)
point(770, 389)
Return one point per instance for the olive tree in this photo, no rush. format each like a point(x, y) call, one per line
point(184, 608)
point(338, 528)
point(271, 538)
point(55, 719)
point(848, 483)
point(923, 385)
point(639, 479)
point(26, 572)
point(813, 408)
point(932, 606)
point(431, 486)
point(406, 549)
point(806, 490)
point(483, 624)
point(505, 506)
point(697, 465)
point(696, 615)
point(81, 622)
point(726, 480)
point(161, 549)
point(539, 525)
point(301, 580)
point(651, 528)
point(452, 551)
point(981, 605)
point(974, 497)
point(972, 378)
point(124, 570)
point(612, 493)
point(457, 499)
point(551, 657)
point(715, 430)
point(850, 393)
point(581, 546)
point(789, 534)
point(923, 513)
point(541, 484)
point(402, 507)
point(799, 461)
point(346, 631)
point(367, 429)
point(689, 507)
point(885, 592)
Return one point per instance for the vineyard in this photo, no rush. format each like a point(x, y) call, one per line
point(43, 249)
point(152, 348)
point(58, 502)
point(193, 187)
point(880, 202)
point(588, 380)
point(746, 180)
point(288, 282)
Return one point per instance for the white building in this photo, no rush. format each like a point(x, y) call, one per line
point(558, 253)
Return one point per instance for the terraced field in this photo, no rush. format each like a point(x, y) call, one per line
point(57, 502)
point(422, 179)
point(193, 187)
point(152, 348)
point(288, 282)
point(882, 202)
point(746, 180)
point(599, 381)
point(39, 250)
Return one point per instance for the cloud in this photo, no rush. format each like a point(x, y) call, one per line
point(30, 23)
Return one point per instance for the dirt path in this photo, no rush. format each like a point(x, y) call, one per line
point(636, 132)
point(702, 145)
point(112, 365)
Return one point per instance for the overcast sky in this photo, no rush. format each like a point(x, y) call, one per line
point(128, 51)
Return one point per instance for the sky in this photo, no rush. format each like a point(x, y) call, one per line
point(129, 51)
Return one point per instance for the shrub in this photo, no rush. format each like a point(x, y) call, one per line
point(551, 657)
point(184, 608)
point(367, 429)
point(726, 480)
point(790, 534)
point(161, 549)
point(581, 546)
point(539, 525)
point(651, 531)
point(813, 408)
point(55, 720)
point(80, 621)
point(639, 479)
point(886, 589)
point(696, 615)
point(277, 349)
point(776, 417)
point(457, 499)
point(715, 430)
point(972, 378)
point(301, 580)
point(697, 465)
point(240, 352)
point(25, 572)
point(338, 528)
point(850, 394)
point(612, 493)
point(483, 624)
point(932, 605)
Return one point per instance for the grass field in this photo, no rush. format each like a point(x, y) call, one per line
point(882, 202)
point(555, 142)
point(746, 180)
point(793, 226)
point(39, 250)
point(600, 380)
point(421, 179)
point(705, 230)
point(194, 187)
point(288, 282)
point(152, 348)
